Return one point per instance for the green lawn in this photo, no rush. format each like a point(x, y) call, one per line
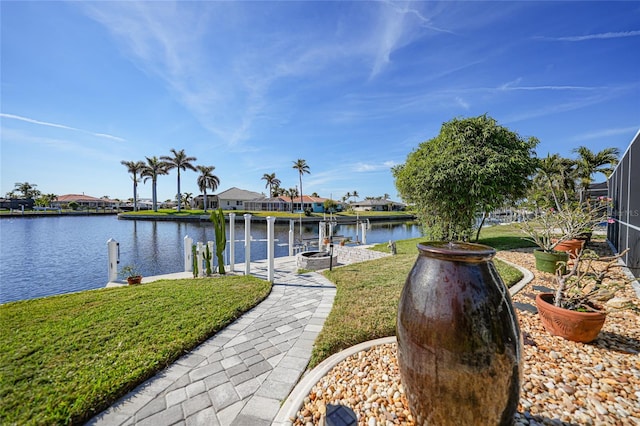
point(65, 358)
point(368, 293)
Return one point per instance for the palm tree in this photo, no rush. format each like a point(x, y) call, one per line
point(207, 180)
point(134, 167)
point(559, 174)
point(278, 191)
point(355, 195)
point(272, 181)
point(291, 193)
point(589, 163)
point(302, 168)
point(27, 189)
point(179, 161)
point(186, 197)
point(154, 168)
point(50, 198)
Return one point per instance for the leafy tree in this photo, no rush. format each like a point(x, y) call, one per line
point(28, 190)
point(207, 180)
point(45, 200)
point(472, 167)
point(134, 167)
point(272, 182)
point(330, 205)
point(301, 166)
point(315, 194)
point(179, 161)
point(589, 163)
point(154, 168)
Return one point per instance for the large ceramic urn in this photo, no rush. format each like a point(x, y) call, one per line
point(459, 347)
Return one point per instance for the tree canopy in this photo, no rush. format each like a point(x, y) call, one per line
point(472, 167)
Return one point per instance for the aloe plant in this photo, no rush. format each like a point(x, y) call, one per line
point(217, 217)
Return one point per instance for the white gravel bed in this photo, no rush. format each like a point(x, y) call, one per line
point(564, 382)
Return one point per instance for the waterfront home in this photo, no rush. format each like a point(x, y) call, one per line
point(375, 205)
point(83, 201)
point(16, 203)
point(283, 204)
point(235, 198)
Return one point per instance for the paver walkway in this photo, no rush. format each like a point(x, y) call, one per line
point(241, 375)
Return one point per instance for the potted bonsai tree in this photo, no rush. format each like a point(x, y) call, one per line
point(556, 232)
point(574, 310)
point(131, 274)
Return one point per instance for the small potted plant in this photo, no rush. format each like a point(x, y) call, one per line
point(130, 272)
point(556, 232)
point(574, 311)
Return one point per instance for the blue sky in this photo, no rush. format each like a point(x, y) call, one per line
point(249, 87)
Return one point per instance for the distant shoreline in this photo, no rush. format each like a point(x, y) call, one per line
point(205, 217)
point(29, 213)
point(279, 219)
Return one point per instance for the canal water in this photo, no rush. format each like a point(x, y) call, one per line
point(44, 256)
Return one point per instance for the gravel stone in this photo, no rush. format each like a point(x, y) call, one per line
point(564, 383)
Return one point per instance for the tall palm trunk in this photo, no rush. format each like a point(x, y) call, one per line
point(135, 194)
point(179, 194)
point(154, 195)
point(301, 202)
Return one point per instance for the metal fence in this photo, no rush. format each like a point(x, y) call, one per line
point(624, 190)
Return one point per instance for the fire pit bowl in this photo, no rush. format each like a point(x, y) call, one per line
point(315, 260)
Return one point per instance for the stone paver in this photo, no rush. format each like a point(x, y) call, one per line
point(241, 375)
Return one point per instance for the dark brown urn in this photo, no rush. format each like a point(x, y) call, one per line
point(459, 346)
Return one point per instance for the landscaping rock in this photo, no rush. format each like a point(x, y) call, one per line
point(564, 382)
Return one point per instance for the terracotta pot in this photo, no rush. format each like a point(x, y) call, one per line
point(572, 247)
point(549, 261)
point(572, 325)
point(459, 349)
point(134, 280)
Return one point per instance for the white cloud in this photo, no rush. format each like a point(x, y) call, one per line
point(464, 104)
point(606, 133)
point(515, 85)
point(59, 126)
point(599, 36)
point(54, 144)
point(372, 167)
point(398, 26)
